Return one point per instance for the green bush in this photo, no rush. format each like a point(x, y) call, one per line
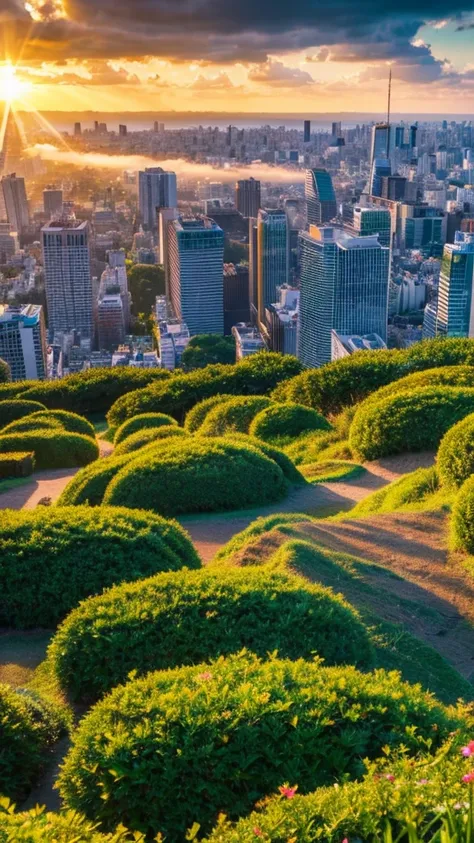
point(286, 421)
point(52, 448)
point(70, 422)
point(17, 464)
point(148, 436)
point(88, 485)
point(14, 409)
point(40, 826)
point(51, 558)
point(189, 617)
point(4, 372)
point(225, 734)
point(455, 458)
point(410, 489)
point(287, 466)
point(462, 517)
point(441, 376)
point(283, 521)
point(197, 475)
point(93, 391)
point(29, 726)
point(351, 379)
point(255, 375)
point(205, 349)
point(195, 418)
point(308, 448)
point(141, 422)
point(234, 415)
point(409, 421)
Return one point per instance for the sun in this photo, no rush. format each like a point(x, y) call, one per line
point(11, 87)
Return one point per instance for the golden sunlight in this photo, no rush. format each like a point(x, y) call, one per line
point(11, 87)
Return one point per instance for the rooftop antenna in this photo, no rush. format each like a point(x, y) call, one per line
point(388, 109)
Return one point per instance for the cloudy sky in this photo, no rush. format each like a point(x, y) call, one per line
point(241, 55)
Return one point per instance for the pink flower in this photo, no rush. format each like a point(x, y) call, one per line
point(258, 831)
point(345, 840)
point(205, 676)
point(288, 792)
point(423, 781)
point(468, 750)
point(469, 777)
point(390, 778)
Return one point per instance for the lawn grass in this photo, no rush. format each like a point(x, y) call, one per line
point(13, 482)
point(330, 471)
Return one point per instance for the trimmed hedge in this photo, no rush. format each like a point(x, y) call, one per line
point(255, 375)
point(88, 485)
point(51, 558)
point(409, 421)
point(70, 422)
point(287, 466)
point(148, 436)
point(189, 617)
point(410, 490)
point(19, 464)
point(224, 735)
point(12, 410)
point(307, 449)
point(141, 422)
point(286, 421)
point(336, 385)
point(195, 418)
point(198, 475)
point(455, 459)
point(53, 448)
point(440, 376)
point(234, 415)
point(40, 826)
point(29, 726)
point(462, 517)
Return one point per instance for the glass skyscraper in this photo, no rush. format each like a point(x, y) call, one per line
point(344, 286)
point(376, 220)
point(455, 314)
point(156, 189)
point(320, 197)
point(272, 257)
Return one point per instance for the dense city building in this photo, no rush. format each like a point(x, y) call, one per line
point(320, 197)
point(156, 189)
point(23, 341)
point(455, 310)
point(373, 220)
point(52, 201)
point(247, 196)
point(16, 203)
point(272, 257)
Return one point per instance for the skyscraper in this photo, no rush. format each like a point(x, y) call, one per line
point(253, 268)
point(272, 257)
point(67, 278)
point(381, 169)
point(376, 220)
point(344, 286)
point(306, 131)
point(23, 341)
point(320, 197)
point(156, 189)
point(248, 197)
point(196, 271)
point(110, 321)
point(455, 314)
point(380, 147)
point(165, 216)
point(52, 201)
point(16, 203)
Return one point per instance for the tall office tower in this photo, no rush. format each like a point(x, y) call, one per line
point(67, 278)
point(380, 169)
point(272, 257)
point(253, 268)
point(52, 201)
point(336, 130)
point(11, 151)
point(114, 281)
point(306, 131)
point(165, 216)
point(413, 134)
point(369, 221)
point(420, 226)
point(8, 242)
point(156, 189)
point(77, 129)
point(248, 197)
point(455, 315)
point(399, 136)
point(236, 295)
point(23, 341)
point(393, 188)
point(122, 131)
point(320, 197)
point(110, 321)
point(16, 203)
point(380, 147)
point(196, 270)
point(344, 287)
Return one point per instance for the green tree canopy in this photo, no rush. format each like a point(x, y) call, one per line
point(204, 349)
point(145, 282)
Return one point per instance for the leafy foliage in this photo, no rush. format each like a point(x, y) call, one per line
point(408, 491)
point(287, 466)
point(59, 419)
point(197, 475)
point(196, 416)
point(148, 436)
point(88, 485)
point(286, 422)
point(145, 282)
point(255, 375)
point(51, 558)
point(308, 448)
point(41, 826)
point(17, 464)
point(53, 448)
point(455, 458)
point(234, 415)
point(11, 410)
point(29, 726)
point(140, 423)
point(462, 518)
point(410, 421)
point(205, 349)
point(4, 372)
point(224, 735)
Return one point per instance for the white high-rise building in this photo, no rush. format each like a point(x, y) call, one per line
point(23, 341)
point(16, 203)
point(68, 282)
point(156, 189)
point(196, 274)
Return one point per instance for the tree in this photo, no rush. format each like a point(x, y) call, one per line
point(145, 282)
point(204, 349)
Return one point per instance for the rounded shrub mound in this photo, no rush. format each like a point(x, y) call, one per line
point(455, 458)
point(70, 422)
point(28, 424)
point(15, 408)
point(409, 491)
point(195, 418)
point(88, 485)
point(440, 376)
point(462, 517)
point(235, 730)
point(286, 421)
point(198, 475)
point(147, 436)
point(141, 422)
point(234, 415)
point(146, 626)
point(287, 466)
point(409, 421)
point(29, 726)
point(53, 448)
point(53, 557)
